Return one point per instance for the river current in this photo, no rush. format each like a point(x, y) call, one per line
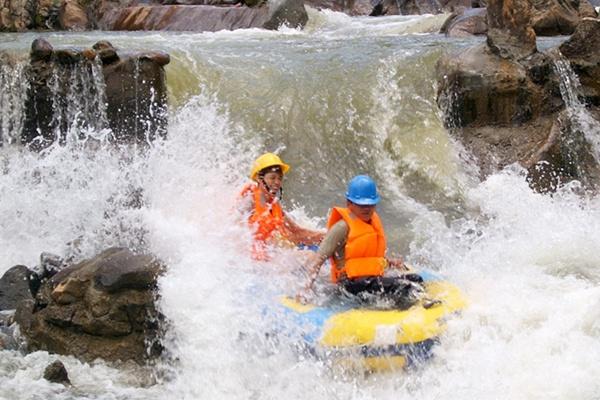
point(344, 96)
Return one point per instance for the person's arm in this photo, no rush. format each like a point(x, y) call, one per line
point(313, 266)
point(298, 235)
point(332, 242)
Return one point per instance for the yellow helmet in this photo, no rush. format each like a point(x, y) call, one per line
point(265, 161)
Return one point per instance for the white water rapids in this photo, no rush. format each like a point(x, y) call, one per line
point(529, 263)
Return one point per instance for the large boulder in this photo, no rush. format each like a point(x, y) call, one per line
point(73, 17)
point(548, 18)
point(503, 100)
point(582, 49)
point(510, 34)
point(15, 15)
point(94, 88)
point(554, 17)
point(100, 308)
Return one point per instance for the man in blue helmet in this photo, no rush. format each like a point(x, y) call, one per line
point(355, 244)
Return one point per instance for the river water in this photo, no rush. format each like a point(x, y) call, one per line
point(344, 96)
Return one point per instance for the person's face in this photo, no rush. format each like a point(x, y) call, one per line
point(273, 181)
point(364, 213)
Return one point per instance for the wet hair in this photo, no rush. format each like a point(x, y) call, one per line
point(273, 168)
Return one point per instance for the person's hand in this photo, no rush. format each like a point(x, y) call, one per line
point(397, 263)
point(303, 297)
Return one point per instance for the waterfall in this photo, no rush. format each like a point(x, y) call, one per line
point(78, 101)
point(582, 122)
point(13, 91)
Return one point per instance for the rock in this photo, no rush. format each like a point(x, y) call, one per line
point(552, 17)
point(100, 308)
point(548, 18)
point(203, 18)
point(466, 23)
point(391, 7)
point(72, 16)
point(136, 95)
point(582, 49)
point(504, 104)
point(15, 15)
point(45, 14)
point(57, 373)
point(484, 89)
point(41, 50)
point(106, 52)
point(15, 287)
point(68, 56)
point(510, 34)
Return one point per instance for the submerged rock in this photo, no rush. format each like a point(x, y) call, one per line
point(100, 308)
point(57, 373)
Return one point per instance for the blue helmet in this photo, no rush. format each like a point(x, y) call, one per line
point(362, 191)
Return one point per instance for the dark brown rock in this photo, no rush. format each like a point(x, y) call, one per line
point(584, 44)
point(15, 287)
point(41, 50)
point(67, 56)
point(485, 89)
point(134, 88)
point(583, 51)
point(554, 17)
point(57, 373)
point(106, 52)
point(97, 309)
point(158, 57)
point(136, 94)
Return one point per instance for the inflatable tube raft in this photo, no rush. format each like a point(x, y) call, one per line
point(373, 339)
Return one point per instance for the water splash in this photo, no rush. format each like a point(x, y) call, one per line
point(13, 93)
point(78, 101)
point(581, 119)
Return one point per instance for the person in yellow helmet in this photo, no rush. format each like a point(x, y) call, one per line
point(261, 201)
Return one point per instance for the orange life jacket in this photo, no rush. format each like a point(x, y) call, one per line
point(365, 246)
point(266, 219)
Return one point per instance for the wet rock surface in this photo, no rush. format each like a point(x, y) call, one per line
point(103, 307)
point(15, 286)
point(503, 99)
point(548, 18)
point(57, 373)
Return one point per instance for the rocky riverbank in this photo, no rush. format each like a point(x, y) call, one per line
point(505, 100)
point(103, 307)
